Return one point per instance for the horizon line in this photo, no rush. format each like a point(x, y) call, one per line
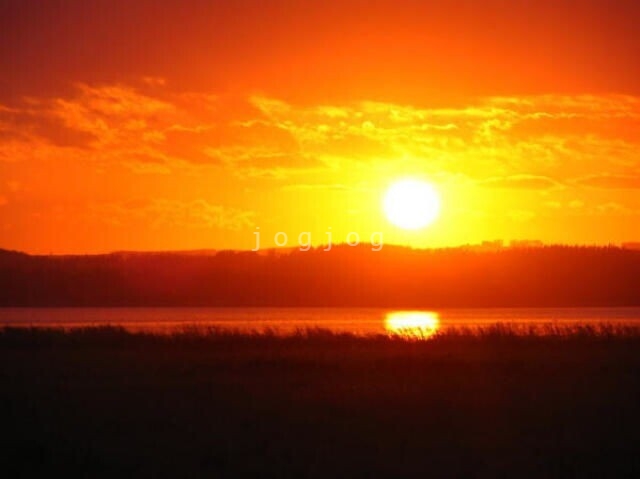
point(485, 244)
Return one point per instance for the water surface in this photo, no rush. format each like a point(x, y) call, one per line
point(288, 320)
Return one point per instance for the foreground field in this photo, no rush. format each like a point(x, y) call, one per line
point(497, 402)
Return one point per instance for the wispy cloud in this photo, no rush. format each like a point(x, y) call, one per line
point(608, 181)
point(152, 130)
point(529, 182)
point(525, 142)
point(163, 212)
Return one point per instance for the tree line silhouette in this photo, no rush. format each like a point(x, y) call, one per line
point(550, 276)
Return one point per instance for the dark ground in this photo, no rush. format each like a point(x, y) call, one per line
point(104, 403)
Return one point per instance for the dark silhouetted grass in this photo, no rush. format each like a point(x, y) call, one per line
point(500, 401)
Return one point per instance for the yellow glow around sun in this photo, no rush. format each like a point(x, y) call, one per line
point(411, 204)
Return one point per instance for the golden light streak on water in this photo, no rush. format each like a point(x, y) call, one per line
point(412, 324)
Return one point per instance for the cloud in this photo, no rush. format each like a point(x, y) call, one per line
point(117, 100)
point(549, 136)
point(32, 148)
point(147, 133)
point(154, 81)
point(112, 115)
point(611, 207)
point(525, 142)
point(607, 181)
point(318, 186)
point(614, 208)
point(194, 214)
point(601, 107)
point(259, 157)
point(528, 182)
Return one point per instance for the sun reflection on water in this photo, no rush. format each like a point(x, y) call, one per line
point(412, 324)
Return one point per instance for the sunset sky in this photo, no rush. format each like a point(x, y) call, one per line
point(172, 125)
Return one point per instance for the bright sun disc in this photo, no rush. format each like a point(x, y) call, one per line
point(411, 204)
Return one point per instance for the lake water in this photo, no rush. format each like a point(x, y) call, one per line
point(287, 320)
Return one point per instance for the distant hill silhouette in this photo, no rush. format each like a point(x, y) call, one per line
point(345, 276)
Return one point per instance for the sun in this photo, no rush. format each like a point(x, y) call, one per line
point(411, 204)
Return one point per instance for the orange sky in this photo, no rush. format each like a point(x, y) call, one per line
point(187, 124)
